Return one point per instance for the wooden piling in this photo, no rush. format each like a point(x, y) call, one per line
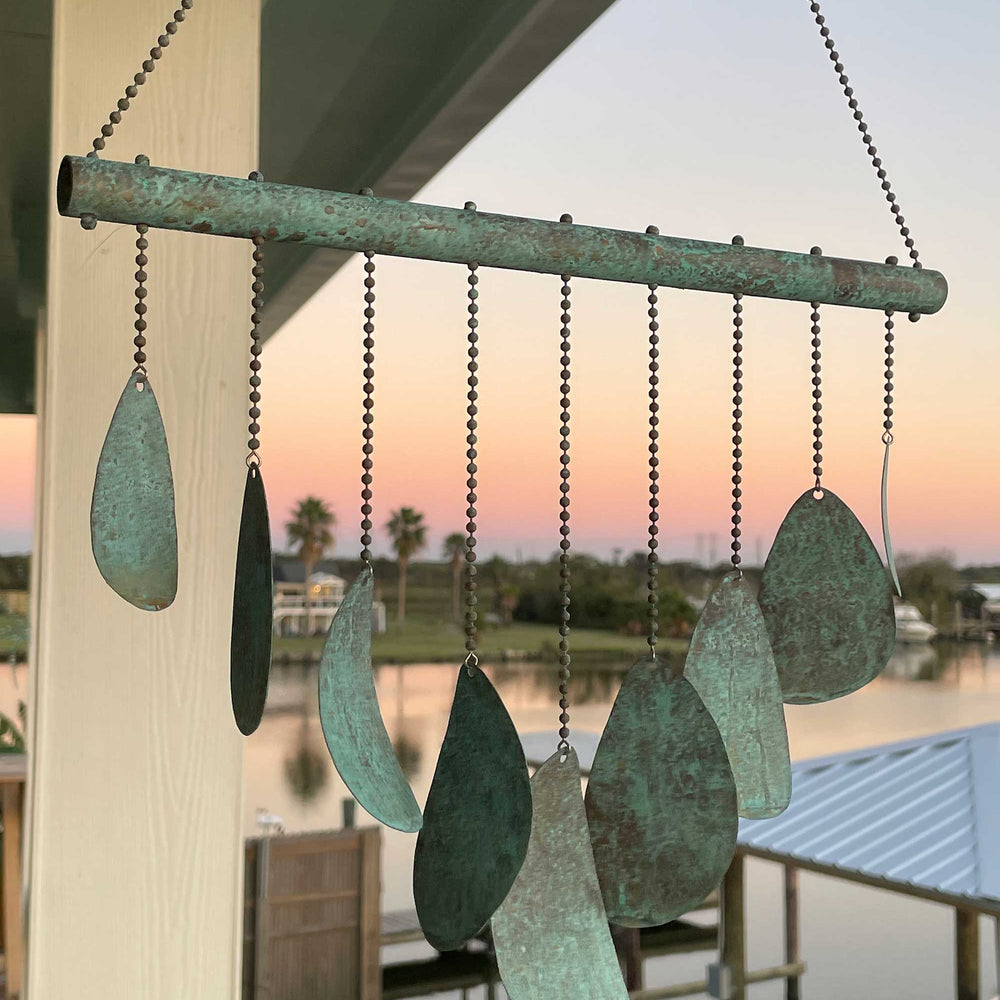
point(966, 954)
point(732, 933)
point(791, 929)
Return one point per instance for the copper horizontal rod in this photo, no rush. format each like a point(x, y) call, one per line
point(128, 193)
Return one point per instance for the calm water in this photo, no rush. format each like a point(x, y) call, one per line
point(857, 941)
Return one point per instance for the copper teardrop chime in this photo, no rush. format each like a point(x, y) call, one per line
point(349, 712)
point(824, 593)
point(660, 755)
point(253, 604)
point(730, 662)
point(551, 933)
point(133, 527)
point(477, 817)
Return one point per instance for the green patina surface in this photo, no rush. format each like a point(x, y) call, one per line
point(352, 722)
point(551, 933)
point(731, 666)
point(133, 528)
point(661, 800)
point(231, 206)
point(250, 644)
point(477, 818)
point(827, 602)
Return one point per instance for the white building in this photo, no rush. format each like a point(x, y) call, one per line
point(326, 593)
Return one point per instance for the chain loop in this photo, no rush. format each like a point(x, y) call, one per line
point(867, 139)
point(564, 531)
point(471, 599)
point(132, 90)
point(368, 419)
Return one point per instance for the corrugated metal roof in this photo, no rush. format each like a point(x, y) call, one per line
point(924, 813)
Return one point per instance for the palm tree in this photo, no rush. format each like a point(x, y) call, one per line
point(454, 549)
point(408, 532)
point(309, 530)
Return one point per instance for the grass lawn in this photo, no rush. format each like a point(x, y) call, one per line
point(421, 641)
point(13, 635)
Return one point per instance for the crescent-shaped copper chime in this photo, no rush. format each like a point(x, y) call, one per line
point(685, 751)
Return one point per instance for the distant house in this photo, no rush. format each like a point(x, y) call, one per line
point(990, 608)
point(291, 617)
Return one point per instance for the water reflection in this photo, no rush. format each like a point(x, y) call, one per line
point(306, 770)
point(926, 688)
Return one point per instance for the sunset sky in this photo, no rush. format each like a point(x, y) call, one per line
point(706, 119)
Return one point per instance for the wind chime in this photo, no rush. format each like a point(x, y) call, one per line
point(687, 748)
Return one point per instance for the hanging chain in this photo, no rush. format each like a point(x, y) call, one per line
point(155, 53)
point(889, 351)
point(256, 304)
point(652, 560)
point(368, 419)
point(141, 260)
point(564, 542)
point(471, 600)
point(867, 139)
point(737, 425)
point(817, 391)
point(887, 439)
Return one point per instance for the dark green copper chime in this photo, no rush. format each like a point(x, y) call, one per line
point(349, 712)
point(477, 817)
point(824, 593)
point(551, 934)
point(730, 662)
point(133, 530)
point(253, 607)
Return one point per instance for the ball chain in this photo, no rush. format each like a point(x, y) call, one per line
point(867, 139)
point(368, 419)
point(889, 350)
point(564, 531)
point(652, 560)
point(817, 391)
point(132, 90)
point(472, 410)
point(737, 418)
point(256, 304)
point(141, 260)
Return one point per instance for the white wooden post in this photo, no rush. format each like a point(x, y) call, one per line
point(134, 840)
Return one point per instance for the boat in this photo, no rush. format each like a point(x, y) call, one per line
point(910, 625)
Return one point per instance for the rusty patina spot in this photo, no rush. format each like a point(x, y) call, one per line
point(661, 800)
point(827, 602)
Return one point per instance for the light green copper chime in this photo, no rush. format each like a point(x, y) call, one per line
point(730, 661)
point(551, 933)
point(825, 595)
point(133, 530)
point(348, 702)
